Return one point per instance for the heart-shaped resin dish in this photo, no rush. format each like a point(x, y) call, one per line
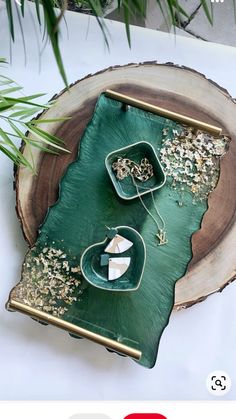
point(117, 263)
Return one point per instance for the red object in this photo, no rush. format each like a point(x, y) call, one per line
point(145, 416)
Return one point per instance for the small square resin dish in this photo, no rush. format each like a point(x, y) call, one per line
point(125, 188)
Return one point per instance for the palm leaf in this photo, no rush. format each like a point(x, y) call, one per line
point(49, 120)
point(24, 100)
point(39, 145)
point(209, 14)
point(10, 18)
point(180, 9)
point(22, 7)
point(9, 90)
point(4, 107)
point(16, 112)
point(21, 30)
point(159, 3)
point(129, 7)
point(37, 10)
point(24, 113)
point(51, 26)
point(127, 18)
point(14, 154)
point(5, 81)
point(9, 154)
point(45, 137)
point(51, 23)
point(95, 6)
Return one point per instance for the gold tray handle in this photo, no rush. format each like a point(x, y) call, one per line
point(71, 328)
point(163, 112)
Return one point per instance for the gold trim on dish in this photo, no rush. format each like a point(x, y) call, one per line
point(163, 112)
point(71, 328)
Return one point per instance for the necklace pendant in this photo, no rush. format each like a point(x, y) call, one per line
point(161, 236)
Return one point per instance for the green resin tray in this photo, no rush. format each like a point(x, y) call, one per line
point(130, 322)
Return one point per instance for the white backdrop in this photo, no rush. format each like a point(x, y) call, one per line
point(39, 362)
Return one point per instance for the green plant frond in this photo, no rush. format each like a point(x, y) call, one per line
point(179, 9)
point(5, 107)
point(37, 8)
point(208, 12)
point(24, 113)
point(31, 155)
point(39, 145)
point(3, 100)
point(126, 10)
point(14, 153)
point(11, 134)
point(46, 138)
point(4, 82)
point(12, 100)
point(21, 29)
point(31, 142)
point(10, 90)
point(51, 21)
point(50, 120)
point(9, 154)
point(10, 18)
point(7, 140)
point(22, 6)
point(96, 8)
point(160, 5)
point(25, 139)
point(179, 12)
point(138, 7)
point(130, 7)
point(17, 130)
point(171, 10)
point(19, 156)
point(36, 96)
point(53, 141)
point(17, 112)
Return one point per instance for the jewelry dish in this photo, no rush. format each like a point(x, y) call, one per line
point(96, 273)
point(136, 152)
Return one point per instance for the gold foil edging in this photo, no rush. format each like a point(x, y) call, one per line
point(71, 328)
point(163, 112)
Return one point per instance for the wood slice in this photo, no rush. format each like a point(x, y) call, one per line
point(180, 89)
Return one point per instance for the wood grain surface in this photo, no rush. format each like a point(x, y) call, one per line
point(179, 89)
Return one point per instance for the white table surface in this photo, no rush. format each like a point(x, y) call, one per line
point(44, 363)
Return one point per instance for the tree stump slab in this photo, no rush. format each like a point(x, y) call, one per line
point(179, 89)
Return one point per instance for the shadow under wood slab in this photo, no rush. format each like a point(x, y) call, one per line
point(168, 86)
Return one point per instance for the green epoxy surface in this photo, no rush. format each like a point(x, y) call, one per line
point(88, 202)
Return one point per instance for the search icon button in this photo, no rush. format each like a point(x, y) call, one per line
point(218, 383)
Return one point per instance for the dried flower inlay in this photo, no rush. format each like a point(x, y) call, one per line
point(48, 282)
point(192, 160)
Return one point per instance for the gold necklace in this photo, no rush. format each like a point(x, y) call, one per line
point(161, 231)
point(125, 167)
